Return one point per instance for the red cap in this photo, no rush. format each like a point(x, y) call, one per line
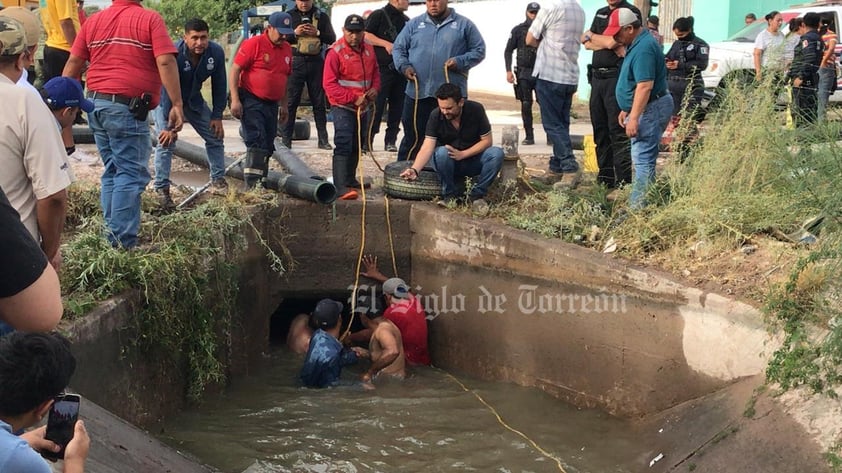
point(619, 18)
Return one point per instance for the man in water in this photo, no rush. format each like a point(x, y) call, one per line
point(299, 335)
point(386, 348)
point(326, 356)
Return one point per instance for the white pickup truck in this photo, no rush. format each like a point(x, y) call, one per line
point(732, 59)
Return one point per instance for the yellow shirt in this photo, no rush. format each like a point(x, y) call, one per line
point(52, 12)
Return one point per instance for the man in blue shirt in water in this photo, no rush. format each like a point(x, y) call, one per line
point(326, 356)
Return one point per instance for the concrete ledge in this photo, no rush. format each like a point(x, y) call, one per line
point(591, 329)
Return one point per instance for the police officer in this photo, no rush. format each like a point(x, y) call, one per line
point(686, 60)
point(521, 77)
point(613, 151)
point(313, 33)
point(804, 72)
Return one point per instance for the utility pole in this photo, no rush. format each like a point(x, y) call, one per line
point(645, 8)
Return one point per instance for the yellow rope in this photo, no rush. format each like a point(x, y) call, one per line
point(391, 240)
point(507, 426)
point(362, 229)
point(446, 74)
point(414, 119)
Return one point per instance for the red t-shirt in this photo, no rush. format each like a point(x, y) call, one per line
point(265, 67)
point(408, 315)
point(121, 43)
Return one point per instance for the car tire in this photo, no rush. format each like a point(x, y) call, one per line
point(301, 130)
point(426, 187)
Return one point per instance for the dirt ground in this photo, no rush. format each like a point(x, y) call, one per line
point(745, 274)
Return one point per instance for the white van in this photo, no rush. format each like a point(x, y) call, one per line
point(732, 59)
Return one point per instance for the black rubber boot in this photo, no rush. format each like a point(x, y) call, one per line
point(256, 166)
point(323, 141)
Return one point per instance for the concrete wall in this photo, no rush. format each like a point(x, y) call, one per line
point(588, 328)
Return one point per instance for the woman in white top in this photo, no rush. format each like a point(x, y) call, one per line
point(769, 45)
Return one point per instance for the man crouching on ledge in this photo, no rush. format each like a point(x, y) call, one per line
point(458, 138)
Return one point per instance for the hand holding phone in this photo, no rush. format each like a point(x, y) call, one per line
point(61, 423)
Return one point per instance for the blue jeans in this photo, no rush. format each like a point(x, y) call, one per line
point(827, 75)
point(452, 173)
point(555, 100)
point(124, 145)
point(644, 147)
point(201, 123)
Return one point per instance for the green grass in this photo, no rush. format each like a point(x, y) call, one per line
point(185, 273)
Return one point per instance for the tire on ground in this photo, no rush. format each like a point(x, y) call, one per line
point(426, 187)
point(301, 130)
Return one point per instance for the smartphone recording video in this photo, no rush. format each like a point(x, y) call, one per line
point(61, 423)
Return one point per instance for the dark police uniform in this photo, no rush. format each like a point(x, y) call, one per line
point(805, 66)
point(386, 23)
point(613, 148)
point(692, 54)
point(307, 69)
point(525, 86)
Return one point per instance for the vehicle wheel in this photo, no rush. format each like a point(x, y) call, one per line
point(426, 187)
point(301, 130)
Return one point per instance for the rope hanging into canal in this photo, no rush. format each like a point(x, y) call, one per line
point(491, 408)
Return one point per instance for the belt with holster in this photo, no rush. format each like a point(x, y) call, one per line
point(94, 95)
point(605, 72)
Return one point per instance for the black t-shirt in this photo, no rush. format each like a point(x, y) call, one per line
point(21, 258)
point(473, 125)
point(385, 23)
point(606, 57)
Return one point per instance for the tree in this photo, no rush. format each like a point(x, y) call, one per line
point(222, 16)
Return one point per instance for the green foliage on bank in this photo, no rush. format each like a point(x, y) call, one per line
point(185, 274)
point(221, 16)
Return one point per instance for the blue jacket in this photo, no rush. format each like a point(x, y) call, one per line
point(211, 65)
point(324, 361)
point(426, 46)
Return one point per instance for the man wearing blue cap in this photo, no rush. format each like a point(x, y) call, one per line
point(34, 172)
point(258, 79)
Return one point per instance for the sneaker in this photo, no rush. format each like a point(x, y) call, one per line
point(82, 157)
point(219, 186)
point(480, 206)
point(350, 195)
point(569, 180)
point(528, 141)
point(323, 144)
point(355, 184)
point(549, 177)
point(390, 147)
point(164, 199)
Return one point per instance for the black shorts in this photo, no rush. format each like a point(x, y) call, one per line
point(54, 61)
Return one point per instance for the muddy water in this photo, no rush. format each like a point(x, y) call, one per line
point(426, 423)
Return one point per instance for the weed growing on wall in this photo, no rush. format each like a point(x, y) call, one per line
point(186, 273)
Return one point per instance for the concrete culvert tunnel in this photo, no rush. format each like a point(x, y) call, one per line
point(671, 366)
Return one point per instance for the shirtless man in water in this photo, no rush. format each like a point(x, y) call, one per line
point(386, 348)
point(298, 337)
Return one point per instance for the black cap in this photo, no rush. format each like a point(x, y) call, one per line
point(326, 314)
point(533, 7)
point(354, 23)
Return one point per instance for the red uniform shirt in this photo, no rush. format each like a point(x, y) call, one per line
point(408, 315)
point(265, 67)
point(121, 43)
point(349, 73)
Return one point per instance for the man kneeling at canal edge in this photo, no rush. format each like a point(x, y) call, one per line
point(458, 139)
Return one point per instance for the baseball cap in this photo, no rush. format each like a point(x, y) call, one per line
point(12, 37)
point(396, 287)
point(63, 92)
point(282, 22)
point(619, 18)
point(326, 314)
point(30, 22)
point(533, 7)
point(354, 23)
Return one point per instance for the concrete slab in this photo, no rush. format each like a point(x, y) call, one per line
point(119, 447)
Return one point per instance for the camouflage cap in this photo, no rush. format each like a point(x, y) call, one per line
point(31, 23)
point(12, 37)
